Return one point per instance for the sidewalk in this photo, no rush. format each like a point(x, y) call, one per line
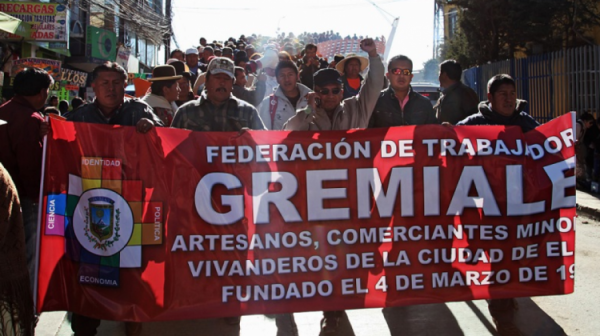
point(588, 204)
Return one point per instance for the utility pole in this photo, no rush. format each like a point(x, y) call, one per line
point(167, 39)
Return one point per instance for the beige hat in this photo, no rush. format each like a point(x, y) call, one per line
point(221, 65)
point(163, 72)
point(364, 63)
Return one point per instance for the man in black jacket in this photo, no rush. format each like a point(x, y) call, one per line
point(457, 101)
point(111, 107)
point(398, 104)
point(501, 109)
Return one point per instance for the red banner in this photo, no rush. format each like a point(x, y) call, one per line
point(176, 224)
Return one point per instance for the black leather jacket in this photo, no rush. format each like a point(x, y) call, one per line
point(388, 113)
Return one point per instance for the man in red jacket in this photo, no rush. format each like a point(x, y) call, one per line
point(21, 150)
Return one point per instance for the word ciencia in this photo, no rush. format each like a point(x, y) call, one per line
point(370, 188)
point(343, 150)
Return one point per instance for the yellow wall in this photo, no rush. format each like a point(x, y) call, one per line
point(447, 9)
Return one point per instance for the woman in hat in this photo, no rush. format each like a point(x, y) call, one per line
point(164, 91)
point(350, 69)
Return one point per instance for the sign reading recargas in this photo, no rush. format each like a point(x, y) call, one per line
point(49, 21)
point(175, 224)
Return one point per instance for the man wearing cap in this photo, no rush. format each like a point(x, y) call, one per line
point(399, 105)
point(112, 108)
point(350, 69)
point(327, 111)
point(21, 148)
point(164, 91)
point(191, 59)
point(217, 110)
point(277, 108)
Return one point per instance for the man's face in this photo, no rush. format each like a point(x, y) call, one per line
point(352, 68)
point(171, 93)
point(179, 55)
point(240, 78)
point(191, 60)
point(401, 80)
point(184, 86)
point(54, 102)
point(310, 53)
point(330, 96)
point(203, 42)
point(206, 54)
point(109, 88)
point(219, 87)
point(287, 79)
point(504, 100)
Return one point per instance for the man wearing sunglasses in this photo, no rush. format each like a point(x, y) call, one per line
point(399, 105)
point(327, 111)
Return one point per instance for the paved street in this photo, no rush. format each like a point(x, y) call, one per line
point(575, 314)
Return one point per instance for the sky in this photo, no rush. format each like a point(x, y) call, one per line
point(219, 20)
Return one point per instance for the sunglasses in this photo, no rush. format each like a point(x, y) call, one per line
point(399, 71)
point(326, 91)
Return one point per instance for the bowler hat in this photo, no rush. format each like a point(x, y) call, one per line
point(163, 72)
point(180, 69)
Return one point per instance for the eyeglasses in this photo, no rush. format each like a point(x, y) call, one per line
point(399, 71)
point(326, 91)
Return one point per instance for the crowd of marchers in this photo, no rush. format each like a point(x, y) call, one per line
point(228, 87)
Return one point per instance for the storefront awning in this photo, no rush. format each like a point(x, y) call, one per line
point(46, 46)
point(12, 25)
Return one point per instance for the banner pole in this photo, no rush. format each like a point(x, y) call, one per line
point(39, 222)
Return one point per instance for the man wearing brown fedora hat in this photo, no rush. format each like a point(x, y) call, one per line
point(350, 68)
point(164, 91)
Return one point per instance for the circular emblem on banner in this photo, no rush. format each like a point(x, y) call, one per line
point(103, 222)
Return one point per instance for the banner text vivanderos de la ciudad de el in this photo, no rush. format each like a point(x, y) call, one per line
point(176, 224)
